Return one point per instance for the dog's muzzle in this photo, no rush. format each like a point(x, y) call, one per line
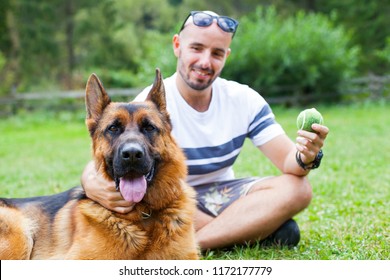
point(133, 170)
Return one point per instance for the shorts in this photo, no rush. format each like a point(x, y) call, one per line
point(213, 198)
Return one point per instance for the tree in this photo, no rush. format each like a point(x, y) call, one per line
point(301, 55)
point(369, 21)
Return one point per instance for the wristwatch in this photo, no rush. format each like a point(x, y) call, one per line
point(313, 165)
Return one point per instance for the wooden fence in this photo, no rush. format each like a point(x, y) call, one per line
point(371, 87)
point(68, 100)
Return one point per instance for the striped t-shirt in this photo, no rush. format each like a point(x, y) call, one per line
point(212, 140)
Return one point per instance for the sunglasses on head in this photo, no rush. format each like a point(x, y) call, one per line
point(203, 19)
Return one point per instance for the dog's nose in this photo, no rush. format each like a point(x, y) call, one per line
point(132, 153)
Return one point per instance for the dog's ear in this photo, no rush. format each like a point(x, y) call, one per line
point(96, 99)
point(157, 92)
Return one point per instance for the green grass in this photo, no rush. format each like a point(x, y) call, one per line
point(349, 217)
point(42, 153)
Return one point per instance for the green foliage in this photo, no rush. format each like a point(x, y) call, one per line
point(2, 61)
point(384, 54)
point(103, 42)
point(126, 43)
point(6, 78)
point(54, 44)
point(306, 54)
point(39, 46)
point(369, 22)
point(158, 54)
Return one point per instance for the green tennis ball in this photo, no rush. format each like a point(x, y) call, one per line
point(308, 117)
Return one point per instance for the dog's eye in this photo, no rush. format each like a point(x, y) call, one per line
point(149, 128)
point(113, 129)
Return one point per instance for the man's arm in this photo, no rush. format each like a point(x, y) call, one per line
point(282, 151)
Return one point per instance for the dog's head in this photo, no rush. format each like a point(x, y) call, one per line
point(131, 142)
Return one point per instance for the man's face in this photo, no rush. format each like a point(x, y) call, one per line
point(201, 53)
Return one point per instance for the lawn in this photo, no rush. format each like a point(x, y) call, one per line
point(349, 217)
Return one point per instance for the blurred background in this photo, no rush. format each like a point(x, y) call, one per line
point(331, 54)
point(290, 51)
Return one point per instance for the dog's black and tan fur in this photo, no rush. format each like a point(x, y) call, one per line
point(129, 140)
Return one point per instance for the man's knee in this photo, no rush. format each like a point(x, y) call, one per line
point(295, 191)
point(301, 191)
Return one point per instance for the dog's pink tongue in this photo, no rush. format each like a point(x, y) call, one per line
point(133, 189)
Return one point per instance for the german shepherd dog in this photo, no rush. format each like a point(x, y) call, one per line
point(131, 144)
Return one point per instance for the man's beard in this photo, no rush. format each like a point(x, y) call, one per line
point(198, 85)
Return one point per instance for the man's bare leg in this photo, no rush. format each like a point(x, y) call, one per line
point(269, 204)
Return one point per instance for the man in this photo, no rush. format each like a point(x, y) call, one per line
point(211, 118)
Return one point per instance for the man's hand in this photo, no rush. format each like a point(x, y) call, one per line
point(102, 191)
point(310, 143)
